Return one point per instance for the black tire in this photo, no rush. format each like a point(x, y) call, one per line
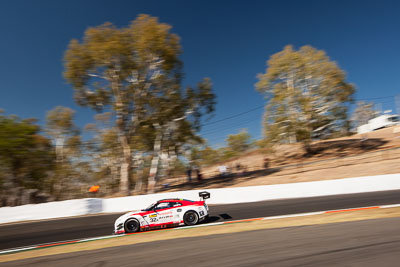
point(191, 218)
point(132, 226)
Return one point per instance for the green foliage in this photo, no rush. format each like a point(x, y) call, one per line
point(25, 156)
point(226, 153)
point(67, 142)
point(209, 156)
point(236, 144)
point(239, 143)
point(178, 167)
point(60, 121)
point(135, 73)
point(62, 129)
point(126, 68)
point(307, 95)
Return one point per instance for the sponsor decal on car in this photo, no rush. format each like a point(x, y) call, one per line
point(164, 213)
point(165, 217)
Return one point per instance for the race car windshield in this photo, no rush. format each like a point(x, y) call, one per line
point(149, 208)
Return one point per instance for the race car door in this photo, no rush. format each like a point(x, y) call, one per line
point(162, 214)
point(176, 208)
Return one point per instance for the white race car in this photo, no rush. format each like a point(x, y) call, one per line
point(164, 213)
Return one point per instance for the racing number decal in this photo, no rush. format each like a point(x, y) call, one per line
point(153, 218)
point(201, 213)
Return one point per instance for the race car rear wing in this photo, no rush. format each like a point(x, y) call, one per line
point(204, 195)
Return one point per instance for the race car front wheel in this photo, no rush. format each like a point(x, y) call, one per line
point(191, 218)
point(132, 226)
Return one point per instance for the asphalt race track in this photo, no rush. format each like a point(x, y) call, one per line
point(362, 243)
point(25, 234)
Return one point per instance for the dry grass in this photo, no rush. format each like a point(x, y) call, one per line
point(334, 159)
point(208, 230)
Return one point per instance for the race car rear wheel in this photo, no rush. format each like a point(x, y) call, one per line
point(132, 226)
point(190, 218)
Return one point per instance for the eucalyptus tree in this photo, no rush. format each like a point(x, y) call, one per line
point(240, 142)
point(26, 156)
point(133, 72)
point(177, 121)
point(104, 150)
point(307, 95)
point(61, 128)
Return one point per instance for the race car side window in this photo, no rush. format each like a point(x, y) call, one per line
point(175, 204)
point(149, 208)
point(162, 205)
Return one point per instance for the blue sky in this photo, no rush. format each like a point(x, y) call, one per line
point(228, 41)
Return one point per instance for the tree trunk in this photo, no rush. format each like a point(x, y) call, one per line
point(153, 173)
point(125, 166)
point(139, 181)
point(114, 170)
point(171, 158)
point(291, 111)
point(164, 165)
point(139, 166)
point(154, 164)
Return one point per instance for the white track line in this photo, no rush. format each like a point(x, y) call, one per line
point(390, 206)
point(97, 238)
point(16, 250)
point(293, 215)
point(199, 225)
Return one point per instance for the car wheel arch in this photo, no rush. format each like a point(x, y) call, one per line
point(194, 211)
point(131, 219)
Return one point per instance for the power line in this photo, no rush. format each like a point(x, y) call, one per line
point(234, 116)
point(220, 129)
point(374, 98)
point(211, 131)
point(213, 122)
point(206, 130)
point(262, 106)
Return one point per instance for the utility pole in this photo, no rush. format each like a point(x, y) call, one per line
point(397, 101)
point(378, 108)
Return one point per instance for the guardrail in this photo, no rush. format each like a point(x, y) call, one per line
point(49, 210)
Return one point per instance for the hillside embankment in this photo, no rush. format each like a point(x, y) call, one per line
point(374, 153)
